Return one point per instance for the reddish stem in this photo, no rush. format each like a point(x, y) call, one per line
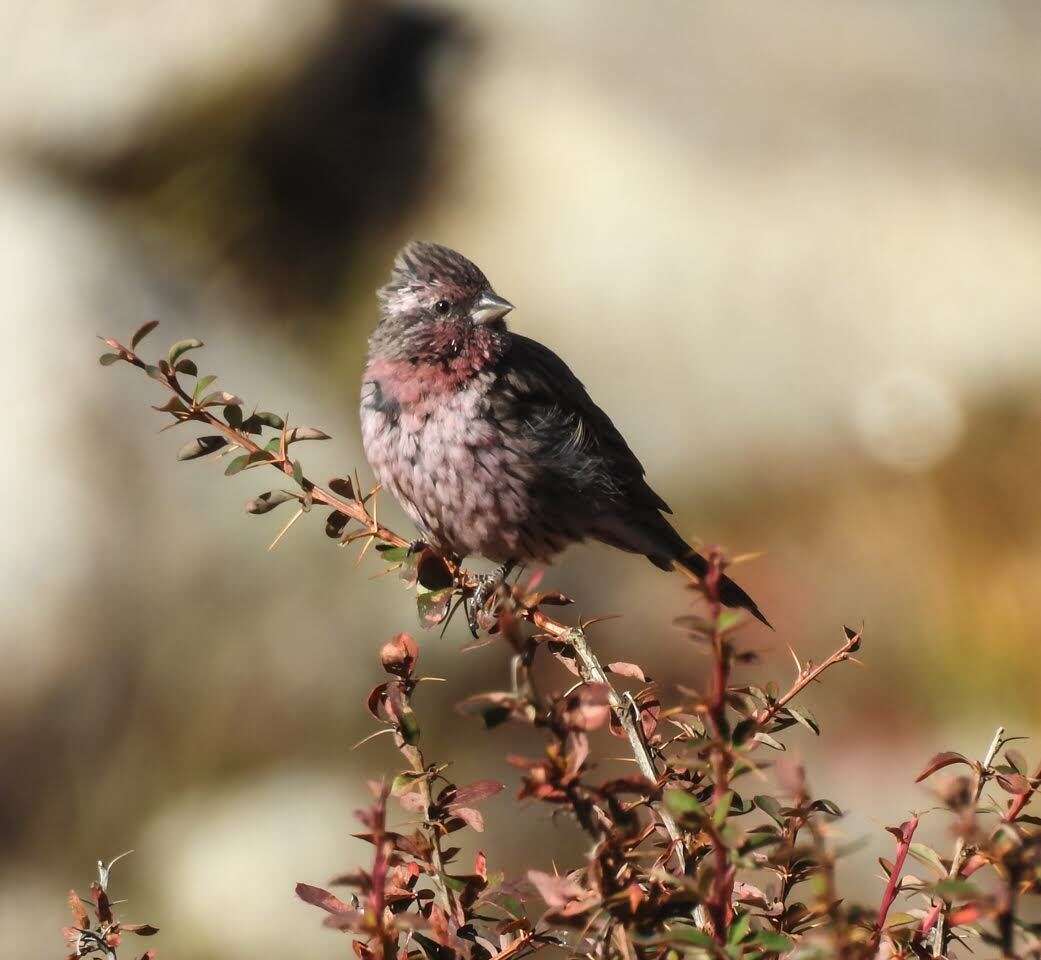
point(907, 829)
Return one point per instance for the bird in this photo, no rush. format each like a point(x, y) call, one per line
point(490, 442)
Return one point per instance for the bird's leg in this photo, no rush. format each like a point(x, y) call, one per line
point(487, 584)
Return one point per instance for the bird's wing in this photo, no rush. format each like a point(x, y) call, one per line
point(539, 400)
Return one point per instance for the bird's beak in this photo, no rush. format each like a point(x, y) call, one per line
point(489, 308)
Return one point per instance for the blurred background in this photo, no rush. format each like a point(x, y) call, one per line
point(793, 249)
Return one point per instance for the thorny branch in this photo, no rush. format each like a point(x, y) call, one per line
point(623, 903)
point(981, 775)
point(355, 508)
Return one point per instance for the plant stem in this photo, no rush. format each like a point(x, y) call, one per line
point(907, 829)
point(806, 677)
point(591, 671)
point(960, 848)
point(415, 758)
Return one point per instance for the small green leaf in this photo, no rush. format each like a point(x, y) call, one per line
point(107, 359)
point(219, 397)
point(772, 941)
point(233, 414)
point(404, 782)
point(272, 420)
point(298, 472)
point(141, 332)
point(770, 806)
point(187, 367)
point(899, 920)
point(769, 741)
point(952, 889)
point(200, 446)
point(680, 803)
point(728, 619)
point(392, 554)
point(691, 935)
point(806, 718)
point(740, 929)
point(722, 809)
point(268, 501)
point(202, 384)
point(306, 433)
point(409, 727)
point(744, 730)
point(829, 807)
point(173, 405)
point(182, 346)
point(928, 856)
point(237, 465)
point(433, 606)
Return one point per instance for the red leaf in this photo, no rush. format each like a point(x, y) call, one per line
point(941, 760)
point(588, 707)
point(79, 912)
point(1014, 783)
point(481, 865)
point(350, 920)
point(967, 913)
point(141, 929)
point(475, 792)
point(375, 698)
point(101, 903)
point(318, 897)
point(649, 711)
point(470, 816)
point(624, 669)
point(413, 802)
point(557, 891)
point(399, 656)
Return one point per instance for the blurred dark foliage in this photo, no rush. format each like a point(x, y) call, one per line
point(285, 182)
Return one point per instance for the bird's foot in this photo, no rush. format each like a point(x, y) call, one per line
point(488, 585)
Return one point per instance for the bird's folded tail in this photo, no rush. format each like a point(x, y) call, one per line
point(649, 533)
point(730, 594)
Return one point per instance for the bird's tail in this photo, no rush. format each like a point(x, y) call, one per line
point(651, 534)
point(730, 594)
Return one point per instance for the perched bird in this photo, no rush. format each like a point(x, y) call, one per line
point(488, 440)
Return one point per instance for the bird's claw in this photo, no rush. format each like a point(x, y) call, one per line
point(487, 584)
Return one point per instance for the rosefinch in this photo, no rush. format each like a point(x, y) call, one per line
point(488, 440)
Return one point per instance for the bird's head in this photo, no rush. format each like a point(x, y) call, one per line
point(437, 300)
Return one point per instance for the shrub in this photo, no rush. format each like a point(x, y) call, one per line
point(684, 857)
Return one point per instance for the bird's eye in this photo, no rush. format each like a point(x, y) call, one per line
point(442, 306)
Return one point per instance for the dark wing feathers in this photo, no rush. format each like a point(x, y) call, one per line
point(572, 438)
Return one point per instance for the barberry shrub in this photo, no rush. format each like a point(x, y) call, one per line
point(684, 857)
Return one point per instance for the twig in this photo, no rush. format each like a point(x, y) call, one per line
point(356, 510)
point(806, 677)
point(415, 758)
point(591, 671)
point(903, 833)
point(960, 848)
